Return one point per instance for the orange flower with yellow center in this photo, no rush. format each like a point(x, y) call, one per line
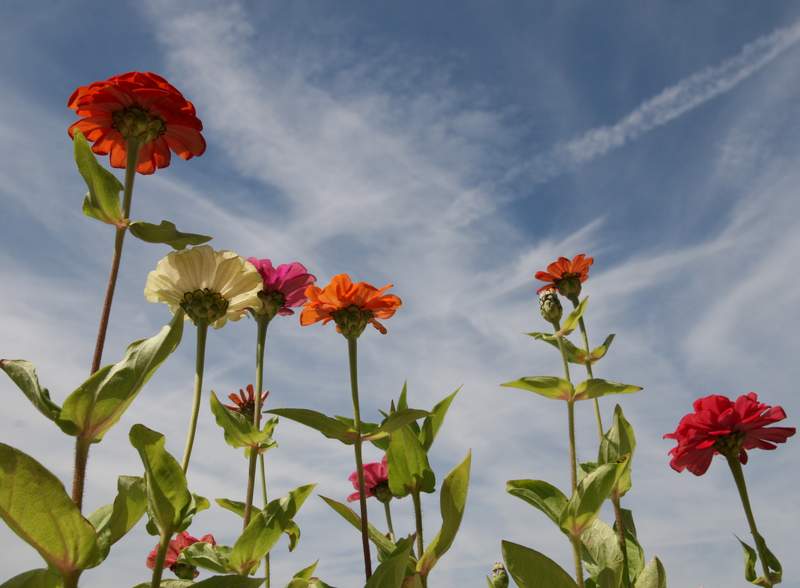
point(351, 306)
point(566, 275)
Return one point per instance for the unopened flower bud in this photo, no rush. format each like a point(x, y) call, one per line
point(550, 305)
point(499, 577)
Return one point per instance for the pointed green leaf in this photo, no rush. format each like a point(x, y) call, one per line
point(168, 499)
point(531, 569)
point(574, 354)
point(571, 322)
point(307, 572)
point(453, 500)
point(165, 232)
point(34, 504)
point(113, 521)
point(292, 531)
point(23, 374)
point(432, 424)
point(774, 566)
point(619, 441)
point(265, 529)
point(597, 387)
point(602, 555)
point(592, 492)
point(652, 576)
point(392, 572)
point(209, 557)
point(91, 410)
point(227, 582)
point(750, 559)
point(635, 551)
point(35, 579)
point(235, 506)
point(394, 421)
point(331, 428)
point(540, 494)
point(169, 584)
point(239, 430)
point(409, 470)
point(547, 386)
point(600, 351)
point(384, 544)
point(102, 201)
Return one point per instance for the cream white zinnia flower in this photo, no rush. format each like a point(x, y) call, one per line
point(211, 286)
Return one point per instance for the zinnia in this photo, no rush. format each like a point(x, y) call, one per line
point(141, 107)
point(283, 287)
point(376, 481)
point(720, 426)
point(176, 546)
point(351, 306)
point(245, 403)
point(211, 286)
point(566, 275)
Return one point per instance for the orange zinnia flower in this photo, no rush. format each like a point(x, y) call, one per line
point(142, 107)
point(566, 275)
point(351, 306)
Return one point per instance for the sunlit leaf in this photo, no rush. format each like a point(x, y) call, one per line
point(531, 569)
point(547, 386)
point(166, 233)
point(23, 374)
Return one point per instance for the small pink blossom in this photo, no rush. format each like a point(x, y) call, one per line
point(176, 546)
point(284, 286)
point(375, 474)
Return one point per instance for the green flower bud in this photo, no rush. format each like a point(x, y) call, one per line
point(352, 321)
point(550, 306)
point(204, 306)
point(499, 577)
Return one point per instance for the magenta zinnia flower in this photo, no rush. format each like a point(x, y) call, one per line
point(376, 474)
point(284, 286)
point(176, 546)
point(720, 426)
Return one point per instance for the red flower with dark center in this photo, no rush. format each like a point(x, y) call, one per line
point(720, 426)
point(245, 403)
point(141, 107)
point(176, 546)
point(376, 474)
point(562, 271)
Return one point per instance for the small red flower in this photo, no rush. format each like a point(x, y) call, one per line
point(563, 270)
point(720, 426)
point(376, 474)
point(176, 546)
point(245, 403)
point(140, 106)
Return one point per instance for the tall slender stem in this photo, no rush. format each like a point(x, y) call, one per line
point(202, 331)
point(418, 522)
point(738, 477)
point(352, 348)
point(615, 499)
point(576, 557)
point(261, 340)
point(266, 501)
point(161, 555)
point(81, 445)
point(387, 509)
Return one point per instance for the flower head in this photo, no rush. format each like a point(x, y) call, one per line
point(245, 403)
point(376, 481)
point(351, 306)
point(719, 425)
point(567, 276)
point(283, 287)
point(211, 286)
point(499, 577)
point(176, 546)
point(141, 107)
point(550, 305)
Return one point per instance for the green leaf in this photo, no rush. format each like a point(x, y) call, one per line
point(592, 492)
point(330, 428)
point(540, 494)
point(91, 410)
point(227, 582)
point(635, 551)
point(34, 504)
point(113, 521)
point(574, 354)
point(432, 423)
point(102, 201)
point(168, 499)
point(169, 584)
point(23, 374)
point(531, 569)
point(239, 430)
point(652, 576)
point(165, 233)
point(207, 556)
point(619, 441)
point(235, 506)
point(292, 531)
point(547, 386)
point(750, 559)
point(392, 572)
point(597, 387)
point(600, 351)
point(384, 544)
point(571, 322)
point(35, 579)
point(307, 572)
point(265, 529)
point(409, 470)
point(394, 421)
point(602, 555)
point(453, 500)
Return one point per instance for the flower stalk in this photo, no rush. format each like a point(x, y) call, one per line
point(265, 499)
point(418, 521)
point(388, 510)
point(261, 339)
point(202, 332)
point(158, 569)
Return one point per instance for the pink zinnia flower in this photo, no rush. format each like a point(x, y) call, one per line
point(176, 546)
point(375, 475)
point(284, 286)
point(720, 426)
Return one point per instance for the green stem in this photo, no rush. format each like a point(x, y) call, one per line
point(738, 477)
point(623, 545)
point(202, 331)
point(82, 447)
point(266, 501)
point(388, 511)
point(576, 556)
point(352, 348)
point(158, 569)
point(418, 522)
point(261, 340)
point(588, 364)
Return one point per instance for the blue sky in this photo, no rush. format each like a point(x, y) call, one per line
point(452, 150)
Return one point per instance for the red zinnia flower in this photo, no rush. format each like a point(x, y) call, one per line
point(719, 425)
point(375, 474)
point(176, 546)
point(245, 403)
point(138, 106)
point(562, 271)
